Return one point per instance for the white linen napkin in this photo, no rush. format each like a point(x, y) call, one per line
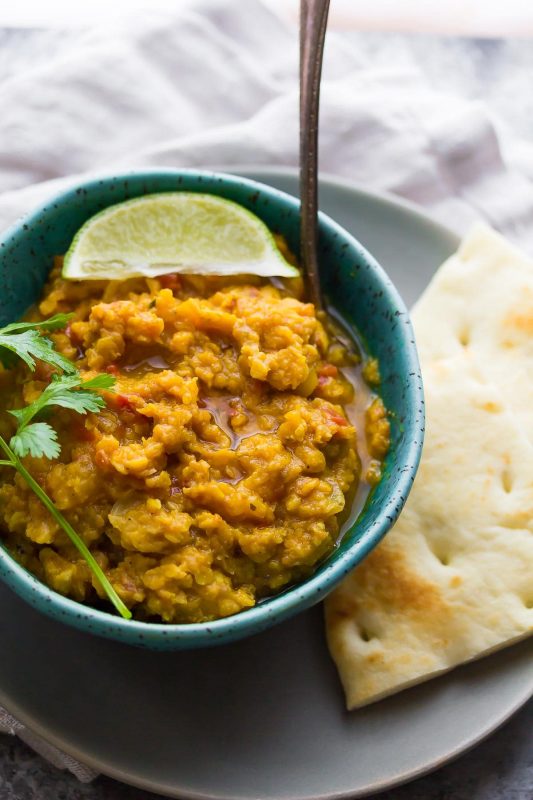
point(216, 84)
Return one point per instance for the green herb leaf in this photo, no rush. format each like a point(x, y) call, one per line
point(37, 440)
point(55, 323)
point(102, 381)
point(29, 345)
point(76, 540)
point(67, 391)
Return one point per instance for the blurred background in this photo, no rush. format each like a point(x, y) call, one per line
point(467, 17)
point(427, 99)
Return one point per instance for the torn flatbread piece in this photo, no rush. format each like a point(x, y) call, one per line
point(453, 580)
point(481, 302)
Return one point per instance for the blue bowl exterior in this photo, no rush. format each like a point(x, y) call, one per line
point(356, 285)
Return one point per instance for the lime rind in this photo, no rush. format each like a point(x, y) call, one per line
point(174, 232)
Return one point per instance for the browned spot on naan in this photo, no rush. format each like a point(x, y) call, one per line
point(386, 582)
point(521, 319)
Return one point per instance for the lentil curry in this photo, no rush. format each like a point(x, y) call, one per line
point(239, 429)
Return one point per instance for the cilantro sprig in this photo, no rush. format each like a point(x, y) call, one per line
point(28, 341)
point(68, 391)
point(24, 339)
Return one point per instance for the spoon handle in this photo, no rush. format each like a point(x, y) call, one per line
point(313, 21)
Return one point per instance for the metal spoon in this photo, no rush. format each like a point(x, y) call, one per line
point(313, 21)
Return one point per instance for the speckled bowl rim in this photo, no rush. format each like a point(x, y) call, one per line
point(294, 599)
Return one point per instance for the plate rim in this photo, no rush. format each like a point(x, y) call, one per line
point(425, 216)
point(181, 794)
point(261, 172)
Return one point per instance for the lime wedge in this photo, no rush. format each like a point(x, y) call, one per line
point(174, 232)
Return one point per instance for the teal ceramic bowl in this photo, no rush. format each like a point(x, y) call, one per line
point(354, 284)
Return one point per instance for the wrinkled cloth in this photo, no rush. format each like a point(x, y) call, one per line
point(215, 85)
point(10, 725)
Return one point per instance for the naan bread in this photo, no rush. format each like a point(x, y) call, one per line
point(453, 580)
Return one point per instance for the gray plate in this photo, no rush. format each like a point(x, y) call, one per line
point(262, 718)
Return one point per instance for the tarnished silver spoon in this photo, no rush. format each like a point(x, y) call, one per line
point(313, 22)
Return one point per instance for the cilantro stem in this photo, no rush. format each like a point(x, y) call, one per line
point(15, 462)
